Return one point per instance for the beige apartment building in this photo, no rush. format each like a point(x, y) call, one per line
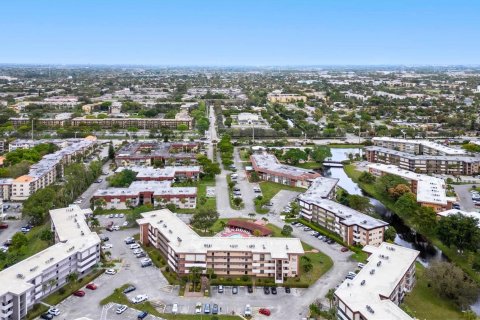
point(183, 248)
point(417, 147)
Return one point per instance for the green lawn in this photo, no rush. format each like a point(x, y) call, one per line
point(269, 190)
point(424, 303)
point(321, 264)
point(210, 203)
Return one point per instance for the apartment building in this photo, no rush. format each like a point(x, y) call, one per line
point(169, 173)
point(455, 165)
point(269, 168)
point(59, 120)
point(3, 145)
point(354, 227)
point(76, 250)
point(140, 123)
point(378, 289)
point(430, 191)
point(48, 169)
point(277, 258)
point(156, 193)
point(418, 147)
point(146, 153)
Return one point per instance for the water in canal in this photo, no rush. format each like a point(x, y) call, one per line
point(405, 236)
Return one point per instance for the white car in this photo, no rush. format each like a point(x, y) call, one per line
point(107, 246)
point(110, 271)
point(116, 228)
point(117, 215)
point(54, 311)
point(77, 202)
point(121, 308)
point(140, 298)
point(137, 251)
point(134, 246)
point(111, 215)
point(121, 215)
point(125, 224)
point(175, 308)
point(198, 307)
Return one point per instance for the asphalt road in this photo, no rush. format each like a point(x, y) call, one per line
point(464, 197)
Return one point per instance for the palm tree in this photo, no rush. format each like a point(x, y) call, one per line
point(72, 278)
point(330, 296)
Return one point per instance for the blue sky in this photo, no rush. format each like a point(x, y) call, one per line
point(240, 32)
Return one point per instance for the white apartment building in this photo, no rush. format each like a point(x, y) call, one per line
point(183, 248)
point(430, 191)
point(377, 290)
point(76, 250)
point(418, 147)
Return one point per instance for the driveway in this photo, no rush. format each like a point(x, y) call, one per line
point(464, 197)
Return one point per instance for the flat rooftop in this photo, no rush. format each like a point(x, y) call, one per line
point(429, 189)
point(320, 187)
point(156, 187)
point(166, 172)
point(17, 278)
point(389, 263)
point(70, 222)
point(268, 162)
point(184, 240)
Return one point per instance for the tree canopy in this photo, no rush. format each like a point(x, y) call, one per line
point(460, 231)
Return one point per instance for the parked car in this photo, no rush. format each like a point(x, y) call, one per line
point(266, 290)
point(54, 311)
point(206, 308)
point(248, 310)
point(139, 298)
point(287, 289)
point(111, 215)
point(274, 290)
point(134, 246)
point(361, 265)
point(121, 308)
point(3, 225)
point(331, 241)
point(220, 289)
point(344, 249)
point(79, 293)
point(129, 289)
point(234, 289)
point(198, 307)
point(129, 240)
point(91, 286)
point(215, 309)
point(146, 262)
point(110, 272)
point(46, 316)
point(264, 311)
point(250, 289)
point(307, 229)
point(140, 255)
point(175, 308)
point(142, 315)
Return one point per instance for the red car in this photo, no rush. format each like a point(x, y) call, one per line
point(91, 286)
point(264, 311)
point(3, 225)
point(79, 293)
point(344, 249)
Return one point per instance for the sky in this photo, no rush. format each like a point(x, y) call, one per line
point(240, 32)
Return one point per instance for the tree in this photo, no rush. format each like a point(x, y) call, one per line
point(293, 156)
point(398, 191)
point(450, 282)
point(331, 297)
point(19, 240)
point(425, 219)
point(204, 219)
point(390, 234)
point(72, 278)
point(46, 235)
point(384, 183)
point(237, 201)
point(407, 204)
point(306, 264)
point(359, 203)
point(320, 153)
point(122, 179)
point(460, 231)
point(111, 151)
point(287, 230)
point(367, 177)
point(194, 275)
point(228, 122)
point(182, 127)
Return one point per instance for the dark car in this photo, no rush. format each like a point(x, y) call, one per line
point(129, 289)
point(250, 289)
point(3, 225)
point(287, 289)
point(46, 316)
point(142, 315)
point(215, 309)
point(274, 290)
point(266, 290)
point(235, 290)
point(331, 241)
point(79, 293)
